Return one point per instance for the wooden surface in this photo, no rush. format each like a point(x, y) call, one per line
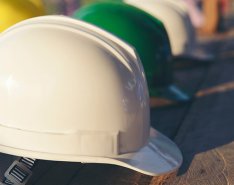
point(211, 13)
point(203, 129)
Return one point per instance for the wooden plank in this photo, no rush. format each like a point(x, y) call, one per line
point(168, 119)
point(60, 174)
point(164, 179)
point(211, 14)
point(101, 174)
point(42, 167)
point(169, 125)
point(226, 154)
point(214, 167)
point(206, 135)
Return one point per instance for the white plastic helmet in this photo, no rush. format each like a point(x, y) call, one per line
point(180, 7)
point(72, 92)
point(195, 13)
point(179, 4)
point(178, 25)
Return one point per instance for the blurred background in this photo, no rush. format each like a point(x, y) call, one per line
point(207, 16)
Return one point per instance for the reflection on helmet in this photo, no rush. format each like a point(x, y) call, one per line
point(82, 98)
point(142, 31)
point(13, 11)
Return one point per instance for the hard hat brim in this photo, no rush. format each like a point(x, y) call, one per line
point(172, 93)
point(158, 157)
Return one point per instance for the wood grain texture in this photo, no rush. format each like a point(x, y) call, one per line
point(164, 179)
point(206, 136)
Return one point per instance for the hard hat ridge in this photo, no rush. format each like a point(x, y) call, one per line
point(83, 98)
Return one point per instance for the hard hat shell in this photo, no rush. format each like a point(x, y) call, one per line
point(181, 8)
point(13, 11)
point(146, 34)
point(180, 35)
point(72, 92)
point(179, 4)
point(178, 25)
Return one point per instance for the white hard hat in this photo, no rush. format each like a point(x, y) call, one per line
point(195, 13)
point(72, 92)
point(179, 4)
point(178, 25)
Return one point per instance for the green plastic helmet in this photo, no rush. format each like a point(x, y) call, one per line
point(146, 34)
point(86, 2)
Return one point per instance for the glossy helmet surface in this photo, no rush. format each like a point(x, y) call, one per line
point(82, 98)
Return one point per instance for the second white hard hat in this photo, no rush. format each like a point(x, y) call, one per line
point(178, 25)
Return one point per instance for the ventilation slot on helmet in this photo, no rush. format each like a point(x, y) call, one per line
point(19, 173)
point(28, 162)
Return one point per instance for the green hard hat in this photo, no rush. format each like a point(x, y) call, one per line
point(86, 2)
point(146, 34)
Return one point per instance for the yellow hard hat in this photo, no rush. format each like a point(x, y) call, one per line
point(14, 11)
point(39, 4)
